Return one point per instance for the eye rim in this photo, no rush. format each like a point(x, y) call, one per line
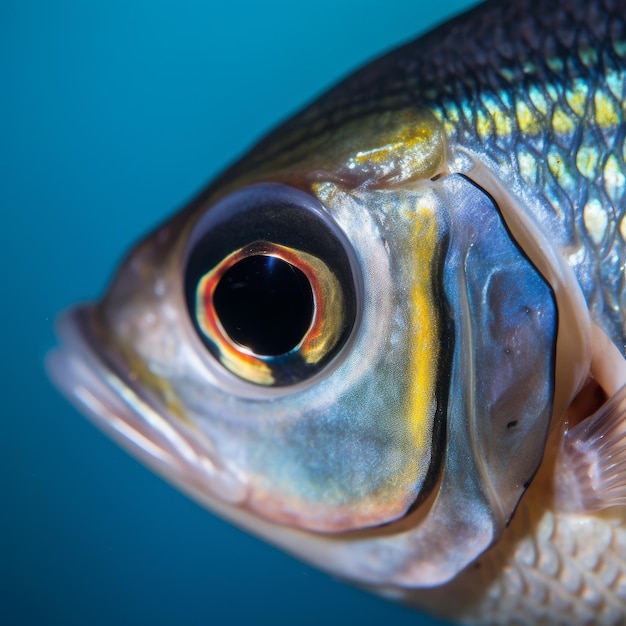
point(320, 334)
point(226, 209)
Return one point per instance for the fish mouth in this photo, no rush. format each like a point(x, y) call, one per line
point(88, 374)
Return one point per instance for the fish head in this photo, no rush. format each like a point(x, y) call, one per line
point(339, 346)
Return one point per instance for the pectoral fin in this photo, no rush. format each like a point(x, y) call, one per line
point(591, 468)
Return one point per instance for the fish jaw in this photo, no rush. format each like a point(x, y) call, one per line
point(132, 418)
point(137, 424)
point(88, 377)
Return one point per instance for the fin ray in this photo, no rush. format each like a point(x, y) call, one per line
point(591, 473)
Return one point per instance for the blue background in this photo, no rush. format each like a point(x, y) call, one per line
point(113, 114)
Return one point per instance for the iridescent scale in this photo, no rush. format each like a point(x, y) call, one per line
point(564, 142)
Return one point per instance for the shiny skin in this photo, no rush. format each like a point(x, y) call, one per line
point(535, 90)
point(489, 130)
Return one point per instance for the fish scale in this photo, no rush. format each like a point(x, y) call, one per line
point(549, 569)
point(489, 48)
point(586, 215)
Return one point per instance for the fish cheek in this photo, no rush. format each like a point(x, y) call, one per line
point(365, 458)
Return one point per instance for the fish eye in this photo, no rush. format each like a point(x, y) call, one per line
point(272, 285)
point(264, 303)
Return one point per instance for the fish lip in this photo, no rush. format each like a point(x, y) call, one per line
point(77, 369)
point(94, 381)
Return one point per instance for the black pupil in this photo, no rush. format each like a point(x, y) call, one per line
point(264, 304)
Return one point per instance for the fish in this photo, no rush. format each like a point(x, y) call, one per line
point(390, 338)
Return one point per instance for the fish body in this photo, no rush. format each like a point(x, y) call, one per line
point(430, 403)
